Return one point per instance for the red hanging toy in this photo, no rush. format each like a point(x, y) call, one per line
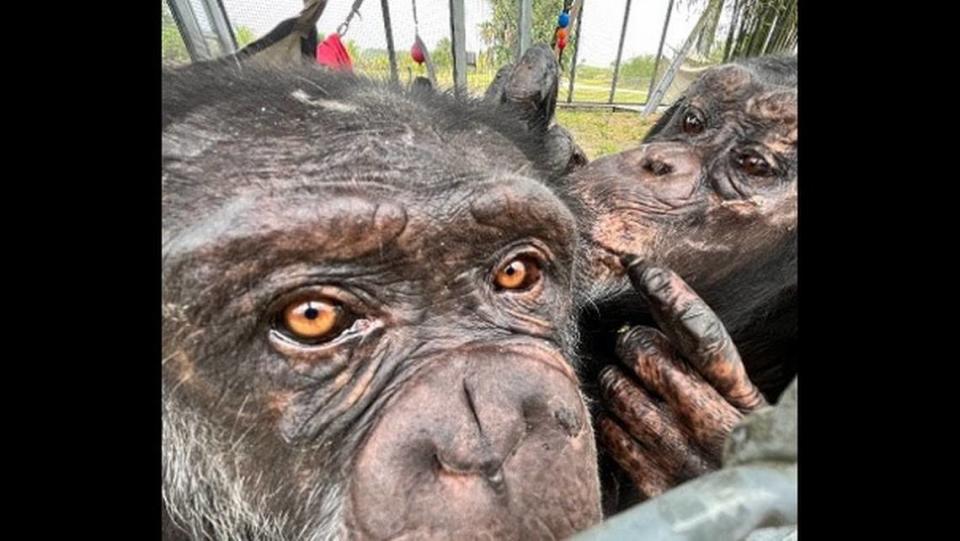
point(331, 53)
point(416, 52)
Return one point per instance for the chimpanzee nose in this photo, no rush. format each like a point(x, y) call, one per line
point(669, 170)
point(474, 432)
point(495, 417)
point(464, 417)
point(475, 451)
point(657, 167)
point(661, 159)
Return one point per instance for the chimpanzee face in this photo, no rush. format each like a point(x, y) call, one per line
point(367, 319)
point(711, 193)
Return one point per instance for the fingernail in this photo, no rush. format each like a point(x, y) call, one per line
point(628, 260)
point(635, 272)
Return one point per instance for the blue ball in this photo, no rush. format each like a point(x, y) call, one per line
point(563, 20)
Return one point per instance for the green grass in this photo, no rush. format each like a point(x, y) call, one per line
point(597, 89)
point(605, 132)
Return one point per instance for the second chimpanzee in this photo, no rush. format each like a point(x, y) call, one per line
point(702, 219)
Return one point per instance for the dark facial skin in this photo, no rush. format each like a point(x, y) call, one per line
point(693, 236)
point(711, 193)
point(438, 398)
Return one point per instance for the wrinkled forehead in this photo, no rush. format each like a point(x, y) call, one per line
point(737, 88)
point(340, 223)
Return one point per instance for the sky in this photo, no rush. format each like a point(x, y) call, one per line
point(602, 23)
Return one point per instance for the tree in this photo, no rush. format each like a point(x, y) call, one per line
point(637, 67)
point(501, 32)
point(172, 48)
point(757, 27)
point(442, 55)
point(708, 35)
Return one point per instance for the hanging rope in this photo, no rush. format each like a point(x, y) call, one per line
point(416, 24)
point(332, 53)
point(345, 25)
point(419, 51)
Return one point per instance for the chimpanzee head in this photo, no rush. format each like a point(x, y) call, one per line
point(367, 317)
point(712, 192)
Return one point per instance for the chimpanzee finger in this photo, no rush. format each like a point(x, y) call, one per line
point(706, 416)
point(655, 427)
point(696, 331)
point(645, 474)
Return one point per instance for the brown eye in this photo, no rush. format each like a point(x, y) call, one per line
point(312, 319)
point(753, 164)
point(692, 123)
point(519, 273)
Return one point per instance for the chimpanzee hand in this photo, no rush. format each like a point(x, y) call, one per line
point(693, 387)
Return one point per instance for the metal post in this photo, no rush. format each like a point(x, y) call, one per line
point(653, 100)
point(391, 52)
point(616, 67)
point(189, 30)
point(221, 26)
point(524, 25)
point(663, 37)
point(459, 46)
point(576, 49)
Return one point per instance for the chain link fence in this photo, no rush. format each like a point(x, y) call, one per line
point(490, 39)
point(611, 55)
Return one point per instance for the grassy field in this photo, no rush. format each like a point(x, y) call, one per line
point(593, 84)
point(604, 132)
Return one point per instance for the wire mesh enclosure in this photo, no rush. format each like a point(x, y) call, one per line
point(617, 52)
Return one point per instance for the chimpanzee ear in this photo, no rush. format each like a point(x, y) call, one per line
point(665, 118)
point(530, 86)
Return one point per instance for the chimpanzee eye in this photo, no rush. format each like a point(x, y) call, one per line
point(693, 122)
point(314, 319)
point(752, 164)
point(519, 273)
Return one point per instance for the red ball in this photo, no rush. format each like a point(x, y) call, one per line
point(417, 53)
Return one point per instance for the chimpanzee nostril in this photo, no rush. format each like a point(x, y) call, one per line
point(657, 167)
point(490, 469)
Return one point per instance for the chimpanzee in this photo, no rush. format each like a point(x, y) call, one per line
point(530, 86)
point(712, 196)
point(368, 317)
point(695, 232)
